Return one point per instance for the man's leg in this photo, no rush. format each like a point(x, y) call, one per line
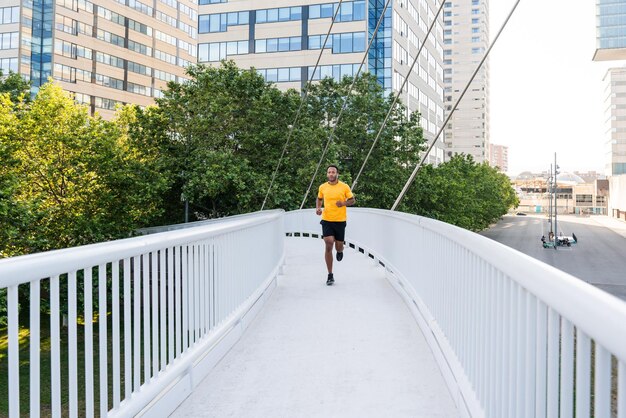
point(340, 231)
point(339, 248)
point(328, 254)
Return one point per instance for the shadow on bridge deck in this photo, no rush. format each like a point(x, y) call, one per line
point(351, 350)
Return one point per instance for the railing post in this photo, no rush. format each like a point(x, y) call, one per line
point(14, 356)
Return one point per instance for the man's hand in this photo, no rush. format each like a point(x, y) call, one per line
point(340, 203)
point(318, 211)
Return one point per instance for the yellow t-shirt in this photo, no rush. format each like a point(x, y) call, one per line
point(331, 193)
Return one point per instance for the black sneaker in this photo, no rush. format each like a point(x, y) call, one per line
point(331, 280)
point(339, 256)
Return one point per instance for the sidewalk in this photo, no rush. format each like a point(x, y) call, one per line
point(613, 224)
point(350, 350)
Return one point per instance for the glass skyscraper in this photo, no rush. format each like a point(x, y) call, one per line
point(611, 30)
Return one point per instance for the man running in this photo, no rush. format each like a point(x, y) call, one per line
point(335, 195)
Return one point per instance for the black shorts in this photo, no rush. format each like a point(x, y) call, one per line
point(334, 229)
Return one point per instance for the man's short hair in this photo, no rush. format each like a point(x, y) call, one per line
point(333, 165)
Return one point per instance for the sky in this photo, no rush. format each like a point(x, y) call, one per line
point(547, 95)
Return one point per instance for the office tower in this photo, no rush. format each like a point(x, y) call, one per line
point(610, 30)
point(283, 43)
point(611, 45)
point(466, 38)
point(615, 139)
point(104, 51)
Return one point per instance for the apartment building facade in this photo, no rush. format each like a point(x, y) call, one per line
point(466, 38)
point(283, 43)
point(499, 157)
point(104, 51)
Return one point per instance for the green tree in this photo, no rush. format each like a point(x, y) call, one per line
point(461, 192)
point(394, 155)
point(227, 127)
point(72, 179)
point(17, 88)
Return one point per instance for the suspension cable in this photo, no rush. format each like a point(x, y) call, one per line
point(397, 97)
point(412, 178)
point(345, 102)
point(302, 102)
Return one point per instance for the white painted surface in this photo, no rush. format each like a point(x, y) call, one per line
point(351, 350)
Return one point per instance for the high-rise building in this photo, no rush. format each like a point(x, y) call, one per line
point(615, 139)
point(466, 38)
point(499, 157)
point(610, 30)
point(104, 51)
point(283, 43)
point(611, 45)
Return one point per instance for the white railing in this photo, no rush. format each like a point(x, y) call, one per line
point(513, 336)
point(172, 303)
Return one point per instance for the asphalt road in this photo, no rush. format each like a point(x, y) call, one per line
point(599, 257)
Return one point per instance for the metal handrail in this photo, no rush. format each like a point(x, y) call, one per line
point(173, 297)
point(510, 331)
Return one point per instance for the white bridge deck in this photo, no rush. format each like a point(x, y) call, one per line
point(350, 350)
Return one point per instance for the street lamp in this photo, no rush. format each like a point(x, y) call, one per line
point(556, 173)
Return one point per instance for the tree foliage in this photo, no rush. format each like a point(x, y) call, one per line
point(229, 127)
point(15, 86)
point(461, 192)
point(68, 178)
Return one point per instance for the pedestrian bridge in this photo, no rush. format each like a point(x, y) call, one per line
point(232, 317)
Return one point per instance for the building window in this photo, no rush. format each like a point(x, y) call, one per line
point(9, 40)
point(139, 89)
point(340, 43)
point(10, 15)
point(283, 14)
point(218, 51)
point(139, 68)
point(281, 75)
point(475, 21)
point(293, 43)
point(109, 60)
point(336, 72)
point(349, 12)
point(107, 81)
point(203, 2)
point(8, 65)
point(107, 104)
point(110, 38)
point(220, 22)
point(584, 200)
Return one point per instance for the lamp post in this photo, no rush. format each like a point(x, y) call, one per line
point(556, 172)
point(550, 198)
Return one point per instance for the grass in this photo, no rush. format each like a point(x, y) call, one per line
point(45, 367)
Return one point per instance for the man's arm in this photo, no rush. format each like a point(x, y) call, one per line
point(318, 206)
point(351, 201)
